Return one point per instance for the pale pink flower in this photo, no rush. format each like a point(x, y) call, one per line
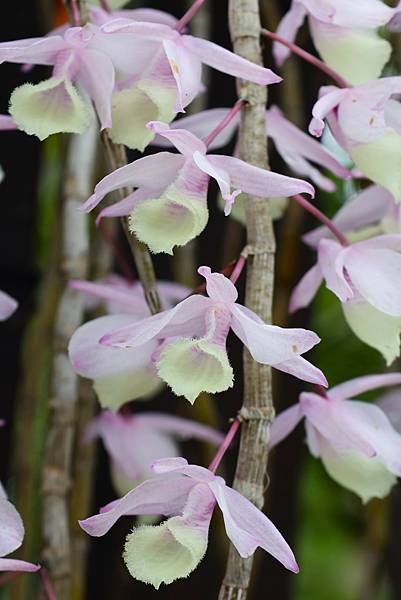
point(7, 306)
point(119, 376)
point(371, 212)
point(170, 209)
point(356, 441)
point(366, 277)
point(345, 34)
point(135, 441)
point(366, 121)
point(193, 357)
point(187, 494)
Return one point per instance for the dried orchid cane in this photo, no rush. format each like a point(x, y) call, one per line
point(257, 410)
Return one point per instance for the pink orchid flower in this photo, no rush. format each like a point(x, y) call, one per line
point(366, 278)
point(11, 536)
point(366, 121)
point(295, 147)
point(84, 63)
point(187, 494)
point(7, 306)
point(359, 447)
point(134, 442)
point(344, 33)
point(171, 209)
point(371, 212)
point(119, 375)
point(194, 359)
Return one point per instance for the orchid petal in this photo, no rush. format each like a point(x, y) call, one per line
point(186, 69)
point(218, 287)
point(326, 103)
point(39, 51)
point(248, 528)
point(185, 141)
point(183, 429)
point(11, 528)
point(13, 565)
point(303, 369)
point(222, 178)
point(7, 306)
point(390, 404)
point(288, 29)
point(359, 385)
point(306, 289)
point(331, 263)
point(97, 78)
point(284, 424)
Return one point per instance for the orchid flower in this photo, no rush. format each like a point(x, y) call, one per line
point(367, 122)
point(187, 494)
point(11, 536)
point(119, 375)
point(344, 33)
point(193, 357)
point(359, 447)
point(368, 213)
point(366, 277)
point(84, 63)
point(134, 442)
point(7, 306)
point(171, 209)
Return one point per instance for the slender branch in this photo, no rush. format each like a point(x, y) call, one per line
point(313, 60)
point(321, 217)
point(56, 478)
point(223, 124)
point(257, 411)
point(183, 22)
point(226, 443)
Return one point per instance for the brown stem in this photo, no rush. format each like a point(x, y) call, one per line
point(56, 478)
point(257, 411)
point(116, 157)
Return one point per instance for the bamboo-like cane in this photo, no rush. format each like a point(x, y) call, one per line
point(257, 410)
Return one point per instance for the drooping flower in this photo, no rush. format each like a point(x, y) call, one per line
point(171, 209)
point(371, 212)
point(366, 121)
point(7, 306)
point(119, 376)
point(366, 277)
point(193, 357)
point(344, 33)
point(187, 494)
point(356, 441)
point(135, 441)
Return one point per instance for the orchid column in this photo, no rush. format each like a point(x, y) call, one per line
point(257, 411)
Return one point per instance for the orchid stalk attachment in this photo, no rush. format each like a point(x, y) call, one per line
point(191, 12)
point(308, 57)
point(105, 5)
point(223, 124)
point(226, 443)
point(47, 585)
point(76, 14)
point(239, 265)
point(308, 206)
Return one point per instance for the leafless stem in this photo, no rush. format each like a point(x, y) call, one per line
point(257, 411)
point(56, 478)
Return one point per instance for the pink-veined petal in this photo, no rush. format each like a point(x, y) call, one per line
point(284, 424)
point(183, 319)
point(270, 344)
point(140, 173)
point(222, 178)
point(288, 29)
point(218, 287)
point(124, 207)
point(306, 289)
point(14, 565)
point(180, 465)
point(185, 141)
point(248, 528)
point(7, 123)
point(162, 496)
point(223, 60)
point(359, 385)
point(259, 182)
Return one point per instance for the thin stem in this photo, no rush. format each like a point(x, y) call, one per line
point(47, 585)
point(76, 15)
point(105, 5)
point(313, 60)
point(240, 264)
point(321, 217)
point(191, 12)
point(117, 252)
point(226, 443)
point(223, 124)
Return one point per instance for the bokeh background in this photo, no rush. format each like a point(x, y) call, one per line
point(347, 551)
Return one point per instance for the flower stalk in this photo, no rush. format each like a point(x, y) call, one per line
point(308, 206)
point(223, 124)
point(226, 443)
point(191, 12)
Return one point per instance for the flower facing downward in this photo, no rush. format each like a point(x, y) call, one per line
point(187, 494)
point(135, 441)
point(356, 441)
point(366, 277)
point(171, 209)
point(193, 356)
